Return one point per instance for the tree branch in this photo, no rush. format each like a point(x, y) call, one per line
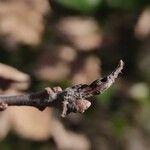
point(71, 99)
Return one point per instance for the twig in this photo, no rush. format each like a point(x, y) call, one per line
point(71, 99)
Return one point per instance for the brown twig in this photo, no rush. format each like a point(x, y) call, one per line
point(71, 99)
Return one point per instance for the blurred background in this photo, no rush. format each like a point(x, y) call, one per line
point(65, 42)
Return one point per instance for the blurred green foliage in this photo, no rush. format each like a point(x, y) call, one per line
point(93, 5)
point(81, 5)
